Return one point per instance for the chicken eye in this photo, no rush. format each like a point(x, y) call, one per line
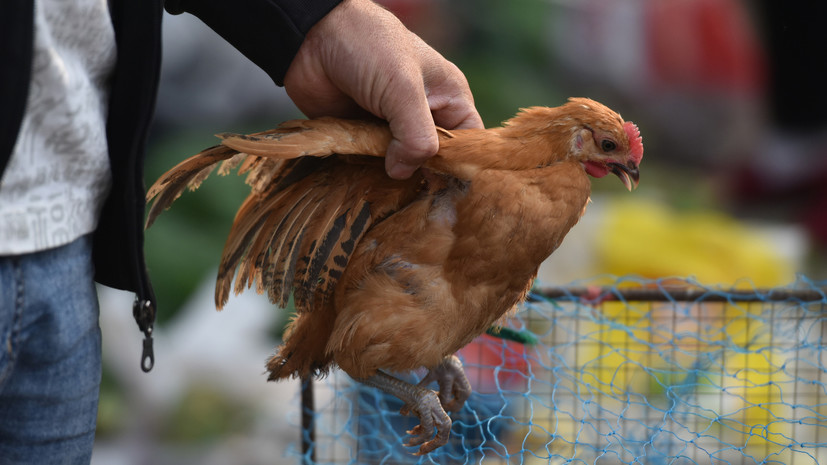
point(608, 145)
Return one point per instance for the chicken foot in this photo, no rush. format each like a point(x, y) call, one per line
point(454, 388)
point(429, 406)
point(434, 426)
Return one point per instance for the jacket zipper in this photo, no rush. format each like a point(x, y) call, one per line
point(144, 312)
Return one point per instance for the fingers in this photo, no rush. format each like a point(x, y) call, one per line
point(414, 138)
point(458, 117)
point(435, 92)
point(450, 99)
point(394, 75)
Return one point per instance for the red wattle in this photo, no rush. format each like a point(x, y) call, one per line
point(595, 169)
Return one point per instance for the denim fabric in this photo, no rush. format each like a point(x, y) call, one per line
point(50, 357)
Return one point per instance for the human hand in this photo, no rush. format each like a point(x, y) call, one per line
point(361, 57)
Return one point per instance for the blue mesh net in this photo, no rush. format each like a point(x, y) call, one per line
point(647, 372)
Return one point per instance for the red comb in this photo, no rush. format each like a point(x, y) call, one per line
point(635, 141)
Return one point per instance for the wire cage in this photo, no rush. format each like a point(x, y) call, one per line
point(637, 372)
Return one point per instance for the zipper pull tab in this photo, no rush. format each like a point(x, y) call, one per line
point(144, 313)
point(148, 354)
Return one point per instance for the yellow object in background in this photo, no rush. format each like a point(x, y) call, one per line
point(648, 238)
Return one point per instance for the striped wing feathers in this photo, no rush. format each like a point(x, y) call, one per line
point(306, 212)
point(297, 238)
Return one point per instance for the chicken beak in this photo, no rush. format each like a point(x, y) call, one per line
point(629, 175)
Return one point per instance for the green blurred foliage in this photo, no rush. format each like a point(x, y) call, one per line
point(204, 415)
point(504, 54)
point(112, 409)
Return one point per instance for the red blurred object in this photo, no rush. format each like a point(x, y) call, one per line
point(486, 352)
point(407, 10)
point(705, 44)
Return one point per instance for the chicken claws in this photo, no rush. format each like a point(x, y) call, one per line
point(434, 426)
point(454, 388)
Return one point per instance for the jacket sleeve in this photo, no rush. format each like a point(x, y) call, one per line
point(268, 32)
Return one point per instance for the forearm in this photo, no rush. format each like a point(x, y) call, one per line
point(268, 32)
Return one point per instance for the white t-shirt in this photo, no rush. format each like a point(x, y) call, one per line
point(58, 176)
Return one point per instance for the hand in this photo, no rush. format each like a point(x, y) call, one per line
point(361, 57)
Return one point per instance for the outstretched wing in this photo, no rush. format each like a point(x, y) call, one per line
point(299, 234)
point(190, 173)
point(305, 215)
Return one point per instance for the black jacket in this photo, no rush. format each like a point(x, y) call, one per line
point(268, 32)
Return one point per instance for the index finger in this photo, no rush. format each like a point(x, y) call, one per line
point(414, 138)
point(450, 98)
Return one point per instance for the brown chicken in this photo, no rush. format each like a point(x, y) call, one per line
point(390, 276)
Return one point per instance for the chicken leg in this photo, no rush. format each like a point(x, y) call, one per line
point(435, 425)
point(454, 388)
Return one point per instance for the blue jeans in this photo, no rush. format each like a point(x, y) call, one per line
point(50, 356)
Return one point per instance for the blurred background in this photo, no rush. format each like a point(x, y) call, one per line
point(729, 97)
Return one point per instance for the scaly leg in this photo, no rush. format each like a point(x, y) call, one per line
point(424, 403)
point(454, 388)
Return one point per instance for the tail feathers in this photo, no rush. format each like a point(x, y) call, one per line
point(282, 366)
point(304, 350)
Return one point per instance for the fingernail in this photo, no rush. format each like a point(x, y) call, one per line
point(401, 171)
